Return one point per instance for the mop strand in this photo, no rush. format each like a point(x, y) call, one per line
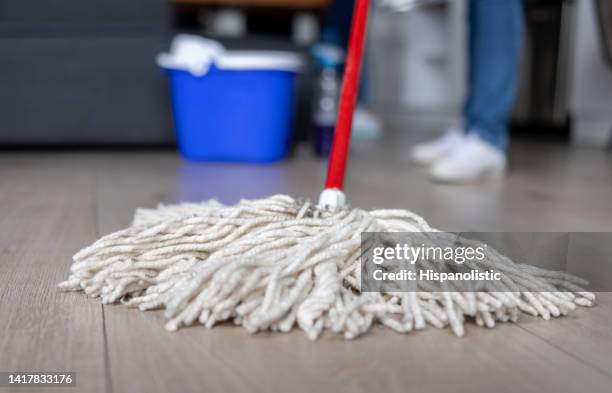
point(277, 263)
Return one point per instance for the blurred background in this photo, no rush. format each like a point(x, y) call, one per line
point(77, 73)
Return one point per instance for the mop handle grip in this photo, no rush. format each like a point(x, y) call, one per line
point(342, 135)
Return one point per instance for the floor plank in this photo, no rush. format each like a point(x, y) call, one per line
point(47, 214)
point(585, 335)
point(227, 359)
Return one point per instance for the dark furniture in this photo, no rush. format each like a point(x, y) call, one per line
point(78, 72)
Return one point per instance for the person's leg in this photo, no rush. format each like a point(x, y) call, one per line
point(495, 41)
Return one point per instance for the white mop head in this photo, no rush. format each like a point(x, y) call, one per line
point(275, 263)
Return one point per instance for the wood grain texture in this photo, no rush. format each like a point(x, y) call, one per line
point(585, 335)
point(53, 204)
point(47, 213)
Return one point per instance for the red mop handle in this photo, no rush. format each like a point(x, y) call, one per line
point(348, 97)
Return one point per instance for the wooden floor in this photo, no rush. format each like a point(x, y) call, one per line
point(52, 204)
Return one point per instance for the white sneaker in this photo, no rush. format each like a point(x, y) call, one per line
point(472, 160)
point(429, 152)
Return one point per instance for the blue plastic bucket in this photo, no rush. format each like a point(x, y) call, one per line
point(237, 108)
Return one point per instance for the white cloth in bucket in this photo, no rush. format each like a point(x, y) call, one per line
point(196, 54)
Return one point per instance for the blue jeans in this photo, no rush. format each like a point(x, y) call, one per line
point(495, 41)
